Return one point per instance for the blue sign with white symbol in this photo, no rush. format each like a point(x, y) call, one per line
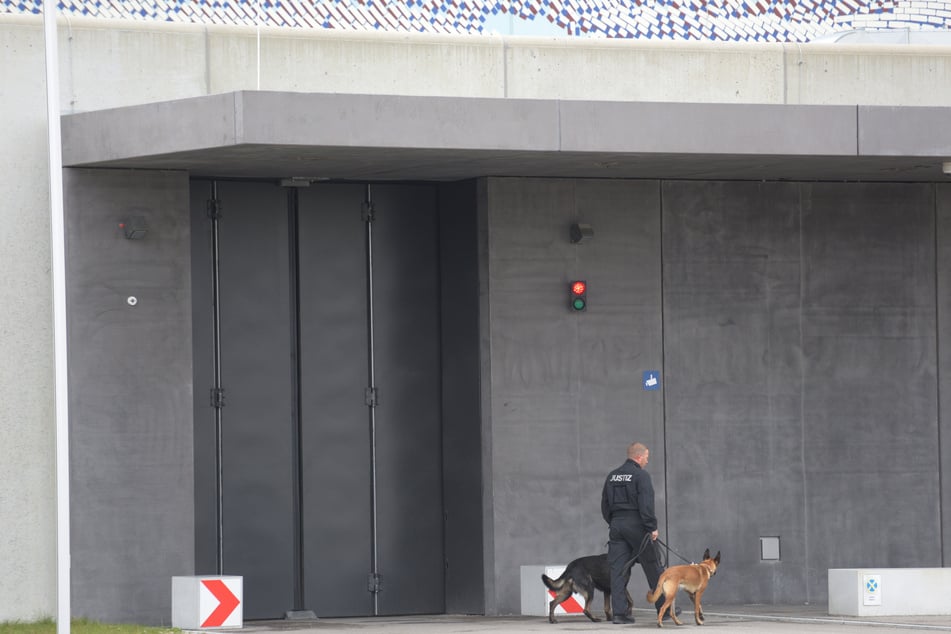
point(873, 590)
point(651, 380)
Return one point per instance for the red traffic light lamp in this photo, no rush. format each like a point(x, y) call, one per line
point(579, 295)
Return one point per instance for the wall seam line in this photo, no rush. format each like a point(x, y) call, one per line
point(937, 344)
point(802, 406)
point(663, 357)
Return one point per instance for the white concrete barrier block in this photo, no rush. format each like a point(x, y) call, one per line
point(535, 595)
point(207, 602)
point(889, 591)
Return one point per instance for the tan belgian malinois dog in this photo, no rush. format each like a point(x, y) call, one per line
point(693, 578)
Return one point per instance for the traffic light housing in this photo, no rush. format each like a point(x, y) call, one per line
point(578, 290)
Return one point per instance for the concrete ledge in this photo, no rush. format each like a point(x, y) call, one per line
point(889, 591)
point(890, 131)
point(388, 137)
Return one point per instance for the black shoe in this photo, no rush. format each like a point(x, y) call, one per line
point(623, 619)
point(667, 613)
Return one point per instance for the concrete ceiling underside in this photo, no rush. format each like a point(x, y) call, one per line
point(381, 138)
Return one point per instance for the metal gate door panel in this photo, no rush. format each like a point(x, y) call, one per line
point(257, 434)
point(335, 418)
point(335, 442)
point(409, 455)
point(203, 371)
point(259, 368)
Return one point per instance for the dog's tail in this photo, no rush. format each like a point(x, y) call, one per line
point(656, 593)
point(553, 584)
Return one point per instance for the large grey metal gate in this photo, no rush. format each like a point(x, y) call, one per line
point(317, 382)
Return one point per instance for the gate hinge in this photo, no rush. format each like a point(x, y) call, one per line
point(217, 397)
point(368, 215)
point(213, 207)
point(374, 582)
point(371, 397)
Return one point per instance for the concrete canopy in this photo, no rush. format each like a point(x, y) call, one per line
point(386, 137)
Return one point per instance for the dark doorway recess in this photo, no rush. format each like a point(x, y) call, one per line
point(320, 424)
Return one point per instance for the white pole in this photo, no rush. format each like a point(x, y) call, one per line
point(58, 249)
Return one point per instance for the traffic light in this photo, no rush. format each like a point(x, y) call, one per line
point(579, 295)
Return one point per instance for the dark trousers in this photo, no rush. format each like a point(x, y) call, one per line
point(626, 536)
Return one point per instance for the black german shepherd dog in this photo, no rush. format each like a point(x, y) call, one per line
point(583, 575)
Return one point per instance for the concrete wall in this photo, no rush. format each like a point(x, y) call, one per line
point(733, 351)
point(131, 435)
point(566, 395)
point(795, 327)
point(105, 64)
point(802, 380)
point(27, 428)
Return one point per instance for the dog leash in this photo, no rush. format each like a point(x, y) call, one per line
point(644, 543)
point(669, 549)
point(661, 559)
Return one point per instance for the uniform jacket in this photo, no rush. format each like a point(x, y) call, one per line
point(628, 490)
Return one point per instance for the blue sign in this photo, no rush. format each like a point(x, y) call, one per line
point(651, 380)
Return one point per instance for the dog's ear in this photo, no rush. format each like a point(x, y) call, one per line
point(706, 554)
point(717, 558)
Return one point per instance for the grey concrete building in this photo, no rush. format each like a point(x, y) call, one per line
point(319, 331)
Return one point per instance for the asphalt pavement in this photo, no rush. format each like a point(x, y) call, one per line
point(744, 619)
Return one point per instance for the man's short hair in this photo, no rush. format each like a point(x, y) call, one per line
point(636, 450)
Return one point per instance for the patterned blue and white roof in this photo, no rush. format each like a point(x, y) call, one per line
point(722, 20)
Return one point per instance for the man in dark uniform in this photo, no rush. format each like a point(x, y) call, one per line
point(627, 505)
